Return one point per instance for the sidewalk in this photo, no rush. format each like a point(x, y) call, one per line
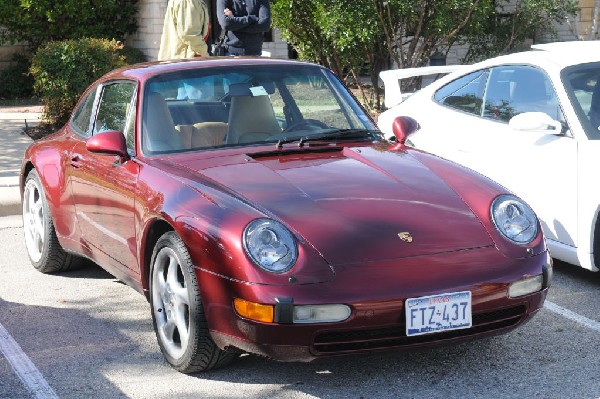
point(13, 143)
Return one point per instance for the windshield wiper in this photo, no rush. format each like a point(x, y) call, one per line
point(337, 134)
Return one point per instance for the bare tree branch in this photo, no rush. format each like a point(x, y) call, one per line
point(464, 23)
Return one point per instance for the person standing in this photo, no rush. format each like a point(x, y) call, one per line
point(185, 30)
point(245, 22)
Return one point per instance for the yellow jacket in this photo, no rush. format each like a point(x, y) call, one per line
point(185, 29)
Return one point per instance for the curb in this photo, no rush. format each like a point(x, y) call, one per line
point(10, 196)
point(10, 201)
point(13, 142)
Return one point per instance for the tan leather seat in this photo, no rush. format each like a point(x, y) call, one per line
point(186, 132)
point(159, 133)
point(208, 134)
point(251, 118)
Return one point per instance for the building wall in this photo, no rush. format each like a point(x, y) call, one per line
point(277, 48)
point(577, 28)
point(150, 19)
point(584, 21)
point(151, 14)
point(6, 54)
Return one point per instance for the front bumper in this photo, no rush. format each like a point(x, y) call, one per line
point(376, 293)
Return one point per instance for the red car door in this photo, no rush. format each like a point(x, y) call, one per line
point(104, 186)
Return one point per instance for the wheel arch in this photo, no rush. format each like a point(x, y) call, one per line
point(154, 230)
point(595, 238)
point(50, 171)
point(27, 168)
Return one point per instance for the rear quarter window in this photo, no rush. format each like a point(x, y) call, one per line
point(82, 115)
point(465, 93)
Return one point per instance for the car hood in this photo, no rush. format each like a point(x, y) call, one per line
point(351, 204)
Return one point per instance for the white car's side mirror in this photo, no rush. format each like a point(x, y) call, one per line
point(535, 121)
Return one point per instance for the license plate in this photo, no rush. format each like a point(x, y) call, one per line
point(435, 313)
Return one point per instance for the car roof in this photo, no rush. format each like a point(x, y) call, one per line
point(550, 56)
point(557, 54)
point(144, 71)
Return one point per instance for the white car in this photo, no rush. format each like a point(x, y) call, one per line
point(531, 122)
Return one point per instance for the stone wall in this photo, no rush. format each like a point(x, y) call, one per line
point(584, 22)
point(277, 48)
point(150, 19)
point(6, 54)
point(151, 14)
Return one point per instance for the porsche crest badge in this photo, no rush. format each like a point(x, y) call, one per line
point(405, 236)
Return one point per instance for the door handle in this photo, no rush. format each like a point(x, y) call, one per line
point(75, 161)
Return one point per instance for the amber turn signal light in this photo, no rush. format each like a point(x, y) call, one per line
point(254, 311)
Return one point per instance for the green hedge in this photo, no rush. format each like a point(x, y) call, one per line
point(35, 22)
point(62, 71)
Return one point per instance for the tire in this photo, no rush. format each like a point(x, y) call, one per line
point(43, 248)
point(596, 242)
point(177, 312)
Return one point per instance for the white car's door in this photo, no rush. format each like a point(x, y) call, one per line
point(469, 125)
point(541, 168)
point(451, 123)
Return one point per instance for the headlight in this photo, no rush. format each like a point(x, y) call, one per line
point(514, 219)
point(270, 245)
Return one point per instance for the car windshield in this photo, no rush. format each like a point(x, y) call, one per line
point(581, 82)
point(211, 108)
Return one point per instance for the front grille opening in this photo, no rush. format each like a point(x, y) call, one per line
point(361, 340)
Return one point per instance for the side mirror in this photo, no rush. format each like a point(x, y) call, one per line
point(404, 126)
point(110, 142)
point(535, 121)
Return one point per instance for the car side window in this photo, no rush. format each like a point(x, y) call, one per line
point(82, 115)
point(464, 93)
point(130, 131)
point(583, 88)
point(514, 89)
point(114, 107)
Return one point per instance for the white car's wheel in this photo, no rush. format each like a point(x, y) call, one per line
point(177, 312)
point(43, 247)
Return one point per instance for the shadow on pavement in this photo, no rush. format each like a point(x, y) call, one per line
point(65, 346)
point(579, 274)
point(13, 142)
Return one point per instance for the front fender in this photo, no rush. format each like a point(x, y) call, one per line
point(211, 222)
point(479, 192)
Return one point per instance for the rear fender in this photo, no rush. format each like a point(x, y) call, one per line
point(50, 166)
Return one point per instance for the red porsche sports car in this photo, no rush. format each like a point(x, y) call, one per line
point(259, 209)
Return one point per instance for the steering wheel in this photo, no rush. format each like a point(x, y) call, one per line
point(305, 123)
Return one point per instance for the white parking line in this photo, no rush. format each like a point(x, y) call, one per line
point(29, 375)
point(569, 314)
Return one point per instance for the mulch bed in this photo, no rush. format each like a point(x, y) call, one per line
point(39, 131)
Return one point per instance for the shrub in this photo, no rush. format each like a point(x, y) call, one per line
point(40, 21)
point(63, 70)
point(133, 55)
point(15, 81)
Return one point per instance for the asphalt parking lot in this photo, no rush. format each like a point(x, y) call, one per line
point(84, 334)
